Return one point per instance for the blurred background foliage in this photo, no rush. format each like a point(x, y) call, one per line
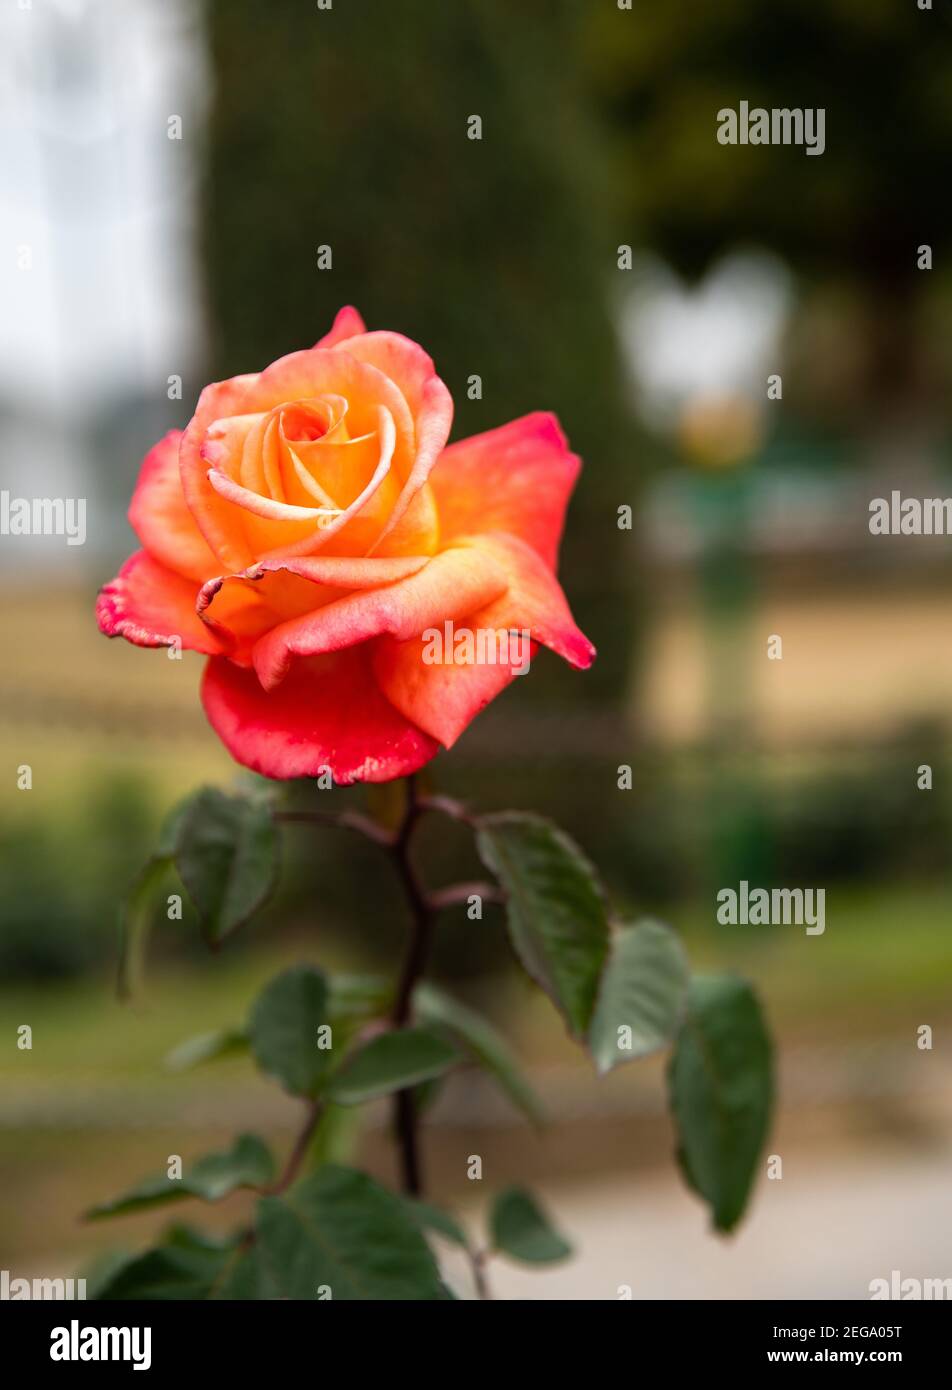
point(347, 128)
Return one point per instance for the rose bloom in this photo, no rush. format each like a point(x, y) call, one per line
point(310, 525)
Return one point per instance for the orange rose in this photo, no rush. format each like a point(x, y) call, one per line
point(309, 531)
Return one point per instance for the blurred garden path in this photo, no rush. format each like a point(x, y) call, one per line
point(833, 1223)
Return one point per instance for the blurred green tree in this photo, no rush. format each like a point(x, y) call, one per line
point(348, 127)
point(855, 215)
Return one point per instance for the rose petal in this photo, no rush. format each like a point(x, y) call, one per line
point(328, 534)
point(241, 608)
point(336, 571)
point(299, 376)
point(329, 713)
point(269, 508)
point(416, 533)
point(440, 699)
point(444, 698)
point(346, 325)
point(338, 469)
point(433, 426)
point(516, 479)
point(453, 584)
point(533, 601)
point(399, 358)
point(152, 606)
point(405, 362)
point(160, 518)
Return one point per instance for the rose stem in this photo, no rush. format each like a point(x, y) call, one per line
point(299, 1151)
point(404, 1109)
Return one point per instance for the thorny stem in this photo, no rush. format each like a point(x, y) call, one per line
point(423, 907)
point(446, 806)
point(296, 1157)
point(461, 892)
point(477, 1261)
point(404, 1104)
point(346, 820)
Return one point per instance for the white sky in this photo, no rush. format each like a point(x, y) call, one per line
point(91, 183)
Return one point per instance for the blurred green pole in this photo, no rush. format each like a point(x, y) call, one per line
point(739, 843)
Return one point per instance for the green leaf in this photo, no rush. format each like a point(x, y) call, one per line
point(720, 1082)
point(244, 1277)
point(185, 1266)
point(427, 1093)
point(207, 1047)
point(391, 1062)
point(431, 1218)
point(554, 906)
point(227, 855)
point(358, 996)
point(136, 915)
point(335, 1135)
point(284, 1030)
point(247, 1164)
point(520, 1228)
point(643, 992)
point(351, 998)
point(488, 1047)
point(170, 827)
point(340, 1230)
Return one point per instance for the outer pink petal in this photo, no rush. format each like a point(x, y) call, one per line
point(452, 585)
point(517, 478)
point(337, 571)
point(329, 713)
point(442, 700)
point(153, 607)
point(160, 518)
point(347, 324)
point(534, 599)
point(241, 608)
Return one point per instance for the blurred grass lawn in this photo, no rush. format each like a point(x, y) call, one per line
point(91, 1108)
point(854, 975)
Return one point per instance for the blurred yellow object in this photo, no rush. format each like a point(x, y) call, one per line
point(720, 431)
